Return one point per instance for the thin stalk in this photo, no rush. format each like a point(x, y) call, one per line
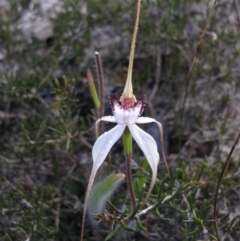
point(220, 179)
point(156, 84)
point(127, 143)
point(191, 69)
point(160, 128)
point(89, 188)
point(130, 182)
point(148, 193)
point(236, 6)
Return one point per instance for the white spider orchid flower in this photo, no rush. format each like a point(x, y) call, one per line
point(126, 115)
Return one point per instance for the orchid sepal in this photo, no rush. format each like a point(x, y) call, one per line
point(149, 147)
point(104, 143)
point(145, 120)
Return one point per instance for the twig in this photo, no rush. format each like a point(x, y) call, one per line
point(191, 69)
point(70, 171)
point(236, 10)
point(157, 79)
point(220, 179)
point(57, 217)
point(85, 142)
point(129, 181)
point(160, 128)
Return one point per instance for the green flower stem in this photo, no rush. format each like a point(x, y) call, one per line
point(127, 143)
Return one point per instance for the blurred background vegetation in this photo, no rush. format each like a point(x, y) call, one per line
point(47, 113)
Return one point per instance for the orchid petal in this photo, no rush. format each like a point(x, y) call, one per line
point(100, 150)
point(107, 119)
point(149, 148)
point(104, 118)
point(147, 144)
point(144, 120)
point(104, 143)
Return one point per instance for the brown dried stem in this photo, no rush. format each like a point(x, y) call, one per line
point(220, 179)
point(192, 66)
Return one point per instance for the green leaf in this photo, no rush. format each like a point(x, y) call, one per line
point(93, 90)
point(101, 192)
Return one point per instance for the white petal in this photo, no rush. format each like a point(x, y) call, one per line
point(147, 144)
point(143, 120)
point(149, 148)
point(100, 150)
point(103, 145)
point(104, 118)
point(108, 119)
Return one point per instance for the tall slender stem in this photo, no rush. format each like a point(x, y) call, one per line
point(191, 70)
point(127, 143)
point(219, 182)
point(130, 182)
point(89, 188)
